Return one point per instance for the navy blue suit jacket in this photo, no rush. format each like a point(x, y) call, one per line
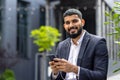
point(92, 58)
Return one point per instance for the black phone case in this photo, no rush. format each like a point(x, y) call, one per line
point(51, 57)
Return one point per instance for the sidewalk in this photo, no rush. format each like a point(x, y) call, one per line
point(111, 68)
point(114, 77)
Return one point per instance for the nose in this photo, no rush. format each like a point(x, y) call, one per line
point(71, 24)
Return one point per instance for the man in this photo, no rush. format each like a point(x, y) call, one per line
point(83, 56)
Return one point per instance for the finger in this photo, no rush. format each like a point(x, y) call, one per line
point(57, 59)
point(58, 63)
point(63, 60)
point(61, 65)
point(51, 63)
point(53, 67)
point(61, 68)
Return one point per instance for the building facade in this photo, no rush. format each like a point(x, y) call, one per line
point(19, 17)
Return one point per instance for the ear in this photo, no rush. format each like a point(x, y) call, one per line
point(83, 22)
point(64, 26)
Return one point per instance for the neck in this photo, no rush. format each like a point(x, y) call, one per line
point(77, 38)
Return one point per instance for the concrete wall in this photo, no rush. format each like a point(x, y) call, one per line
point(9, 27)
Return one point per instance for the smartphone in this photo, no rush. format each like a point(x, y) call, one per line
point(51, 57)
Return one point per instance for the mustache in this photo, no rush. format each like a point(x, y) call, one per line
point(74, 27)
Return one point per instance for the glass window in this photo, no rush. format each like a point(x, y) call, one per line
point(42, 15)
point(22, 23)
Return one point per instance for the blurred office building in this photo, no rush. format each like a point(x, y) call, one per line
point(19, 17)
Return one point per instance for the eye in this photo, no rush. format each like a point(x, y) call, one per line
point(75, 21)
point(67, 22)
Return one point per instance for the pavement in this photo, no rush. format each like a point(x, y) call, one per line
point(114, 77)
point(111, 68)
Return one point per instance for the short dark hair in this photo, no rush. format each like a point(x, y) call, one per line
point(72, 12)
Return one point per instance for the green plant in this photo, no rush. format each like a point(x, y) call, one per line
point(7, 75)
point(45, 37)
point(114, 19)
point(6, 62)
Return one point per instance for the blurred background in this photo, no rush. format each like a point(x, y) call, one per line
point(19, 17)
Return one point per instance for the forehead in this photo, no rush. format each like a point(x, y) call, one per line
point(71, 17)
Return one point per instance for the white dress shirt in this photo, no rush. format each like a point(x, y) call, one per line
point(73, 56)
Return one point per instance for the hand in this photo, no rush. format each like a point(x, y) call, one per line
point(53, 67)
point(65, 66)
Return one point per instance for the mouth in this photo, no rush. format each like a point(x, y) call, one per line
point(72, 30)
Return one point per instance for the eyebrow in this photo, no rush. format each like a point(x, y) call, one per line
point(71, 20)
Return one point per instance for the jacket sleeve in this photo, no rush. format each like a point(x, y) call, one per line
point(58, 52)
point(100, 66)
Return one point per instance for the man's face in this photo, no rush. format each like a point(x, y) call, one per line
point(73, 25)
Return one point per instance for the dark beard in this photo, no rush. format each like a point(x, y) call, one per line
point(74, 35)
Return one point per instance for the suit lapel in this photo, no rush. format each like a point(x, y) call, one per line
point(82, 48)
point(67, 49)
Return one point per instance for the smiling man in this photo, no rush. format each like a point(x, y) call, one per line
point(82, 56)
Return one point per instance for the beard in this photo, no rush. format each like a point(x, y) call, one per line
point(75, 35)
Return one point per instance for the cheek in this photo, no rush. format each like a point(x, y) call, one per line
point(66, 27)
point(79, 26)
